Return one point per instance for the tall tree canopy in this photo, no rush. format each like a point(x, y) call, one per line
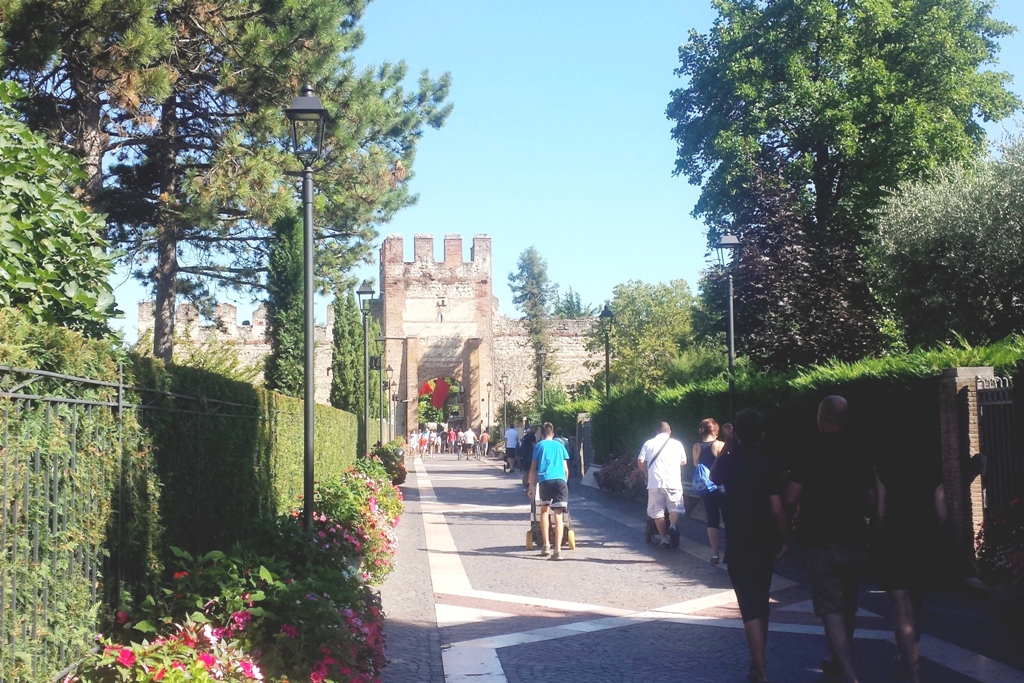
point(948, 258)
point(797, 116)
point(175, 108)
point(53, 259)
point(534, 294)
point(840, 98)
point(649, 327)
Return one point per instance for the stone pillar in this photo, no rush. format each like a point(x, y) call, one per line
point(409, 387)
point(471, 379)
point(958, 425)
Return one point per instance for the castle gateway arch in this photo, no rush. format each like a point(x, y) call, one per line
point(437, 320)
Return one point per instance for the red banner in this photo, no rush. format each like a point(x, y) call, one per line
point(440, 393)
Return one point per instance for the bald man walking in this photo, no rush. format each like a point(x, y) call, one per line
point(661, 459)
point(832, 484)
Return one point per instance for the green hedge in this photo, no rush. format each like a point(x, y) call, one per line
point(193, 473)
point(890, 397)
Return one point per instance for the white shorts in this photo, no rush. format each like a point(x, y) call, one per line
point(659, 499)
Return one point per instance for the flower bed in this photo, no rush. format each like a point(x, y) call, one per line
point(291, 604)
point(1001, 553)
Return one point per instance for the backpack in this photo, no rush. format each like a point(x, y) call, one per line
point(702, 480)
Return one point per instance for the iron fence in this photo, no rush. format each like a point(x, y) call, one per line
point(62, 479)
point(1002, 460)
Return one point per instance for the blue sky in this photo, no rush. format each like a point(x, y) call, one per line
point(558, 138)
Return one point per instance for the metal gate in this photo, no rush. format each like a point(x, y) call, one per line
point(1002, 462)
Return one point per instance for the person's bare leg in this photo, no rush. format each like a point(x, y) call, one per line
point(662, 528)
point(558, 530)
point(544, 522)
point(906, 632)
point(757, 637)
point(839, 644)
point(713, 540)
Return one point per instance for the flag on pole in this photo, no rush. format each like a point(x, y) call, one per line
point(441, 388)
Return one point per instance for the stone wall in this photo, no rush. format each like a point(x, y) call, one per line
point(439, 319)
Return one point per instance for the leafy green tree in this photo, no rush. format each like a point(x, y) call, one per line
point(948, 259)
point(194, 164)
point(284, 368)
point(651, 324)
point(570, 306)
point(534, 294)
point(54, 262)
point(814, 108)
point(840, 99)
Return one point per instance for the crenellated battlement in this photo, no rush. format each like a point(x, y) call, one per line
point(393, 251)
point(225, 325)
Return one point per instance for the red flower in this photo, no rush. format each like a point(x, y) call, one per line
point(126, 658)
point(160, 675)
point(207, 660)
point(180, 575)
point(122, 618)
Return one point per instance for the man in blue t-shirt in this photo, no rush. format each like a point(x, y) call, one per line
point(550, 468)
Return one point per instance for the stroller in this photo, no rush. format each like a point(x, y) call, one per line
point(533, 536)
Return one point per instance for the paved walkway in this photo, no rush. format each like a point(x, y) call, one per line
point(468, 602)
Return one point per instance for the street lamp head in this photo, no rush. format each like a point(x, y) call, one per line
point(390, 372)
point(606, 314)
point(504, 378)
point(727, 244)
point(307, 116)
point(542, 352)
point(365, 293)
point(489, 385)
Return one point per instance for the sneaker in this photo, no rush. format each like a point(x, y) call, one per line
point(545, 551)
point(557, 555)
point(715, 559)
point(665, 545)
point(673, 534)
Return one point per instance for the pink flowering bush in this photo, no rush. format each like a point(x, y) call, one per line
point(190, 652)
point(294, 603)
point(366, 500)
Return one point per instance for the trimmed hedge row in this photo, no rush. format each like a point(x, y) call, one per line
point(892, 397)
point(199, 471)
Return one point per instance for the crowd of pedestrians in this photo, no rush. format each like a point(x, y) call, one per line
point(829, 499)
point(428, 442)
point(840, 507)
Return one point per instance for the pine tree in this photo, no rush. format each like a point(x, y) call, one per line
point(534, 293)
point(284, 367)
point(190, 169)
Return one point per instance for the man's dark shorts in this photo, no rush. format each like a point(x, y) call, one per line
point(834, 571)
point(554, 492)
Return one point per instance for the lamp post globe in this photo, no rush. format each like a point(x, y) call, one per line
point(307, 117)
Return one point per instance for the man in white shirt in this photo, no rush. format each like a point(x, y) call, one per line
point(468, 441)
point(511, 446)
point(661, 460)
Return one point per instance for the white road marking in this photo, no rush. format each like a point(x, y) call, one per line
point(477, 660)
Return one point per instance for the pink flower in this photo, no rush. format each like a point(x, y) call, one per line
point(289, 630)
point(126, 658)
point(160, 675)
point(206, 659)
point(241, 618)
point(250, 670)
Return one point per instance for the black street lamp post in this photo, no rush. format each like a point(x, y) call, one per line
point(307, 117)
point(606, 318)
point(365, 294)
point(730, 243)
point(389, 386)
point(504, 399)
point(489, 387)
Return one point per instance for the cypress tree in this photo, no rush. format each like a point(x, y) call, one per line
point(284, 367)
point(347, 360)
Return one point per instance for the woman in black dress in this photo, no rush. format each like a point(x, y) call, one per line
point(911, 511)
point(757, 530)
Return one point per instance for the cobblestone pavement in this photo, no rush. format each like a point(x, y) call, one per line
point(468, 602)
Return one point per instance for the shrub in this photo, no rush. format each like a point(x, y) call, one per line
point(392, 456)
point(1001, 551)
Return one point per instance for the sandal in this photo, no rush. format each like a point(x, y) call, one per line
point(714, 559)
